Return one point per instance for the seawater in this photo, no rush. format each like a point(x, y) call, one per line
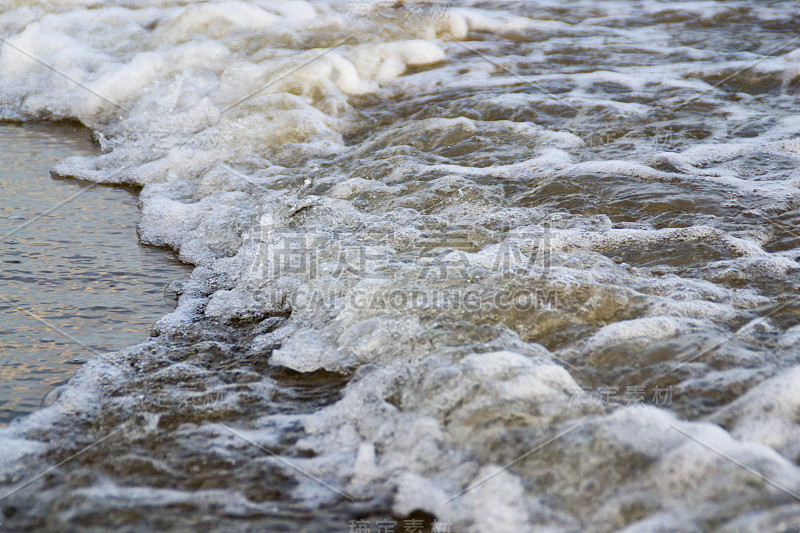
point(507, 266)
point(74, 281)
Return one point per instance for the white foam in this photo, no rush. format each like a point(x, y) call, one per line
point(767, 414)
point(241, 120)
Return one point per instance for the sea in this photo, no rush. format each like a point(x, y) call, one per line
point(400, 266)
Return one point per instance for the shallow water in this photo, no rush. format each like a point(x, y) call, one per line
point(520, 266)
point(74, 281)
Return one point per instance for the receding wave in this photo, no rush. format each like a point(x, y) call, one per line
point(513, 266)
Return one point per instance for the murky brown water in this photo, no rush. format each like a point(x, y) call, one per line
point(74, 282)
point(517, 266)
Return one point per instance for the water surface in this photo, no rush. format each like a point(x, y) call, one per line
point(350, 183)
point(74, 281)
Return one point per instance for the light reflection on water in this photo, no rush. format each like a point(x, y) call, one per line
point(74, 282)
